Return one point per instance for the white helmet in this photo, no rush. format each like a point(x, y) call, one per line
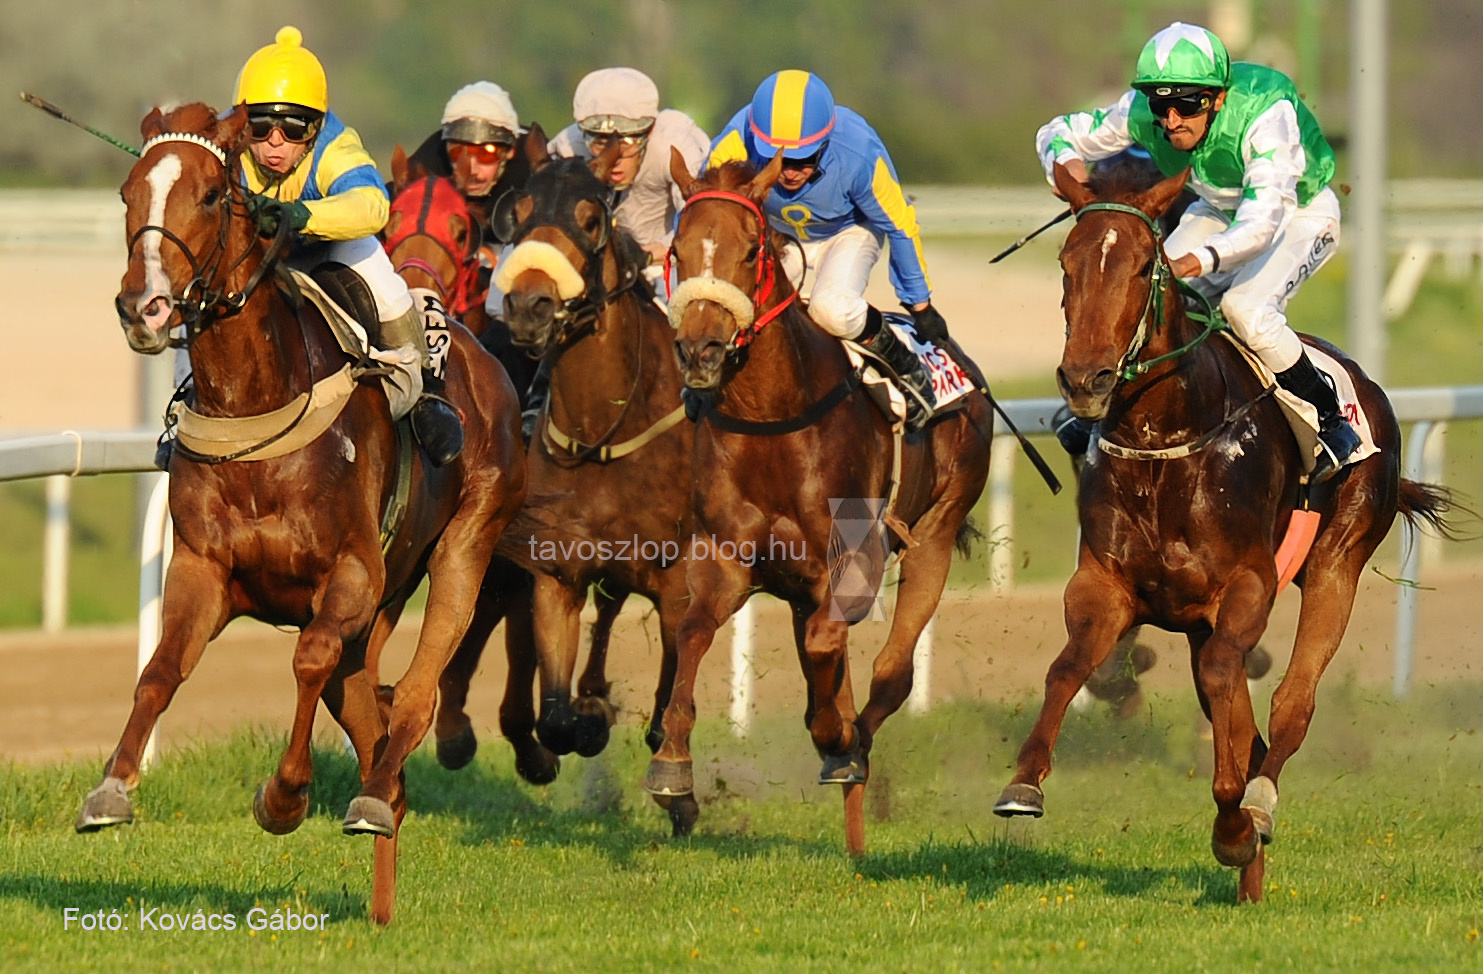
point(619, 101)
point(480, 113)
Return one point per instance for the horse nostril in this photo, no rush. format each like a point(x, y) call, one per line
point(1103, 382)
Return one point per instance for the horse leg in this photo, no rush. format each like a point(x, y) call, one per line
point(1221, 674)
point(345, 613)
point(195, 611)
point(558, 631)
point(1099, 609)
point(452, 729)
point(594, 712)
point(517, 712)
point(670, 613)
point(1329, 587)
point(381, 631)
point(718, 588)
point(826, 645)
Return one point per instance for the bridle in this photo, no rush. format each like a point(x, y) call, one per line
point(200, 305)
point(705, 287)
point(457, 297)
point(1152, 319)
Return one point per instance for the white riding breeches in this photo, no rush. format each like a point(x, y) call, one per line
point(839, 270)
point(1253, 295)
point(368, 259)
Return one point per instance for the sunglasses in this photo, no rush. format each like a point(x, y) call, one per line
point(487, 152)
point(293, 127)
point(799, 165)
point(1188, 106)
point(597, 143)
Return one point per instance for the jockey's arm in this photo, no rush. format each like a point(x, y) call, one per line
point(887, 211)
point(353, 201)
point(1078, 138)
point(1273, 149)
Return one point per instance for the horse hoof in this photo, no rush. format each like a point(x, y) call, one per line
point(556, 728)
point(1260, 802)
point(669, 778)
point(108, 804)
point(683, 811)
point(845, 769)
point(457, 751)
point(591, 736)
point(271, 824)
point(1236, 856)
point(1020, 799)
point(536, 764)
point(369, 816)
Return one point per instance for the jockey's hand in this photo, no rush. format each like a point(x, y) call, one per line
point(268, 213)
point(1185, 266)
point(929, 323)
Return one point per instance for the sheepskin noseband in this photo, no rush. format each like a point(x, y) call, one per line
point(724, 293)
point(535, 255)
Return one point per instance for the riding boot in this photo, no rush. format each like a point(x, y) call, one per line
point(535, 400)
point(1336, 438)
point(1074, 433)
point(435, 421)
point(910, 376)
point(164, 447)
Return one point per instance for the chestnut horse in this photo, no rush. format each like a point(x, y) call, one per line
point(1184, 500)
point(295, 538)
point(610, 461)
point(782, 436)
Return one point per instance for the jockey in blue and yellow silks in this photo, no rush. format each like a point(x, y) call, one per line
point(839, 196)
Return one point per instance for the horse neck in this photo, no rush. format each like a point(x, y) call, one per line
point(1174, 397)
point(789, 365)
point(253, 361)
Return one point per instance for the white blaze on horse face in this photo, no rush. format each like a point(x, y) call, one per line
point(1108, 242)
point(162, 178)
point(707, 258)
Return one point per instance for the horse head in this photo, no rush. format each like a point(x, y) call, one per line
point(183, 244)
point(1116, 284)
point(568, 260)
point(726, 262)
point(430, 236)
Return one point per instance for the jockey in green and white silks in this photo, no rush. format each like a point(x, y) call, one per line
point(1266, 219)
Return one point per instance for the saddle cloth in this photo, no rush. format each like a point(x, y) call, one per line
point(950, 384)
point(403, 383)
point(1303, 417)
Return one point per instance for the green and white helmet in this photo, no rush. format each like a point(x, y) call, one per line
point(1183, 56)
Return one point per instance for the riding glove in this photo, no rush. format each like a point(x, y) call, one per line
point(268, 213)
point(929, 324)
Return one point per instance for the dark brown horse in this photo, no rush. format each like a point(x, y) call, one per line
point(783, 438)
point(1183, 504)
point(610, 462)
point(294, 538)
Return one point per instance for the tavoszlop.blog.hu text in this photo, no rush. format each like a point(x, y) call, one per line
point(668, 551)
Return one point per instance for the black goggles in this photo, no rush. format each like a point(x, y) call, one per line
point(1188, 106)
point(295, 128)
point(798, 165)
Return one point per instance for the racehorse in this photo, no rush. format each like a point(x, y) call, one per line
point(783, 430)
point(289, 527)
point(610, 460)
point(1186, 496)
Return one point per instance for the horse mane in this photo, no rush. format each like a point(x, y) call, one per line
point(731, 175)
point(198, 118)
point(1121, 178)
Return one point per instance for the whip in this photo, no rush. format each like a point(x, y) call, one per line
point(36, 101)
point(1012, 247)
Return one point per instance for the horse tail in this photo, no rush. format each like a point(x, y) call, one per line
point(1432, 504)
point(968, 533)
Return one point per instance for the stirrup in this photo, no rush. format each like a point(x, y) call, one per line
point(1334, 447)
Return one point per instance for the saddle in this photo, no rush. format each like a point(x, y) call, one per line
point(950, 383)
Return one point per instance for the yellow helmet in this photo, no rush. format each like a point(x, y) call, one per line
point(283, 73)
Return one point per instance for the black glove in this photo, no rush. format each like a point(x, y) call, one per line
point(269, 213)
point(929, 325)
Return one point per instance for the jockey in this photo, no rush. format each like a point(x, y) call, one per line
point(839, 196)
point(480, 147)
point(623, 104)
point(1265, 220)
point(306, 168)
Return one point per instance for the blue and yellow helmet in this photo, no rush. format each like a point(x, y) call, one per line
point(793, 111)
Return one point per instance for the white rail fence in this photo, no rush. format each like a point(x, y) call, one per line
point(62, 456)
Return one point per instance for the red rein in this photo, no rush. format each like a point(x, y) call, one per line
point(766, 268)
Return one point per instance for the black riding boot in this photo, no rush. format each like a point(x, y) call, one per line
point(1074, 434)
point(535, 400)
point(1336, 438)
point(435, 422)
point(164, 450)
point(913, 380)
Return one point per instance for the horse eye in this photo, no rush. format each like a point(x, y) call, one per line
point(1147, 268)
point(752, 254)
point(212, 196)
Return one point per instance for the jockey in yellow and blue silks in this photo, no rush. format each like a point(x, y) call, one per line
point(307, 168)
point(839, 196)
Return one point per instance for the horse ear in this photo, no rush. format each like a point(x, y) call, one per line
point(399, 177)
point(764, 181)
point(603, 164)
point(230, 127)
point(679, 171)
point(536, 152)
point(1071, 189)
point(153, 124)
point(1156, 200)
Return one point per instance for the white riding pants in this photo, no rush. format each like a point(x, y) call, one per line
point(1253, 295)
point(839, 270)
point(368, 259)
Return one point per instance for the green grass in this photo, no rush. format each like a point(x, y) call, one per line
point(1377, 862)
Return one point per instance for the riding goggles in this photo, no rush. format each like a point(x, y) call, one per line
point(1187, 106)
point(598, 142)
point(295, 128)
point(799, 165)
point(488, 152)
point(477, 131)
